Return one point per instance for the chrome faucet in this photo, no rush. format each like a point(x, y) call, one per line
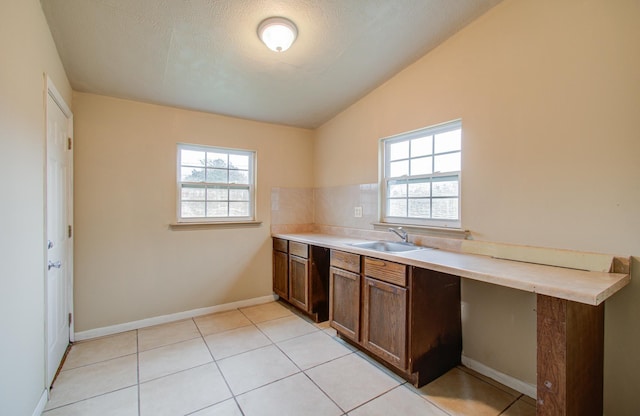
point(400, 233)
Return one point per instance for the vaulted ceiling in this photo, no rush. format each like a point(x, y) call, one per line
point(205, 54)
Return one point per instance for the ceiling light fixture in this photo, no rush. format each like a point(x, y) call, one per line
point(277, 33)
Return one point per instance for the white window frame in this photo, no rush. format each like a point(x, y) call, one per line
point(385, 178)
point(251, 186)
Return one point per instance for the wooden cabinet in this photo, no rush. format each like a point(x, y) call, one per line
point(301, 276)
point(406, 317)
point(384, 310)
point(281, 268)
point(298, 282)
point(344, 299)
point(384, 321)
point(434, 324)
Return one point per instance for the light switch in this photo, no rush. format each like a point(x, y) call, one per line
point(357, 212)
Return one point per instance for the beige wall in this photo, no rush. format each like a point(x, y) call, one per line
point(27, 53)
point(129, 264)
point(549, 97)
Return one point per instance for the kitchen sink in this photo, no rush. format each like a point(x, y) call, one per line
point(388, 246)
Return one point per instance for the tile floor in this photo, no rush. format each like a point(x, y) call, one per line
point(260, 360)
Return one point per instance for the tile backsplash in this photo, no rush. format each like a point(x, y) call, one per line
point(292, 206)
point(326, 206)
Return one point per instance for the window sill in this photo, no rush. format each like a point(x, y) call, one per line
point(425, 229)
point(181, 226)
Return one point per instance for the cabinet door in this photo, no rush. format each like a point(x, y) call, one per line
point(299, 282)
point(384, 321)
point(281, 274)
point(344, 302)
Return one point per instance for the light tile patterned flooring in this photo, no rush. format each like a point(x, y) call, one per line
point(260, 360)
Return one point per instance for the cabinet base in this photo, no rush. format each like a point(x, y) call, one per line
point(418, 378)
point(316, 317)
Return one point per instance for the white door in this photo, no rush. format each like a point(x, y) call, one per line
point(58, 220)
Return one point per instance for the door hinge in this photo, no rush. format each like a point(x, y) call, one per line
point(70, 232)
point(69, 141)
point(70, 318)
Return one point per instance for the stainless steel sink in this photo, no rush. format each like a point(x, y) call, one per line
point(388, 246)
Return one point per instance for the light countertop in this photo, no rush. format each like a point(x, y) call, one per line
point(582, 286)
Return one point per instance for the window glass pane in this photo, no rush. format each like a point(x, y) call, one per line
point(215, 183)
point(397, 207)
point(192, 193)
point(445, 188)
point(217, 209)
point(419, 208)
point(192, 157)
point(239, 176)
point(217, 175)
point(192, 209)
point(239, 194)
point(191, 175)
point(422, 180)
point(239, 162)
point(419, 189)
point(448, 141)
point(447, 163)
point(397, 189)
point(217, 194)
point(217, 160)
point(445, 208)
point(421, 166)
point(399, 169)
point(238, 209)
point(399, 150)
point(422, 146)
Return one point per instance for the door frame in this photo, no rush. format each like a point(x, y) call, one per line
point(50, 90)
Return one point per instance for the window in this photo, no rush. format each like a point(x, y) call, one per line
point(215, 184)
point(421, 176)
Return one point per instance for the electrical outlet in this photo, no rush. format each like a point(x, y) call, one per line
point(357, 212)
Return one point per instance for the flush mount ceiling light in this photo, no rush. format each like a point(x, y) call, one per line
point(277, 33)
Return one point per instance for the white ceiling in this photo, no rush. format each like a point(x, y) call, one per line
point(205, 54)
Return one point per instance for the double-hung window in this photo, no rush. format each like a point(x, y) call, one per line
point(215, 184)
point(421, 176)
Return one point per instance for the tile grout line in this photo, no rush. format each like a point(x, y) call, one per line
point(376, 397)
point(370, 362)
point(304, 371)
point(344, 412)
point(510, 405)
point(275, 344)
point(233, 396)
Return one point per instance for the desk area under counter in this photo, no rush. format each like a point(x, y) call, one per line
point(422, 305)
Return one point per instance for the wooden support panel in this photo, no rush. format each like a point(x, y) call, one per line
point(319, 284)
point(435, 336)
point(570, 357)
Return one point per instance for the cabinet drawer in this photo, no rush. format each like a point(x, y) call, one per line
point(280, 245)
point(345, 261)
point(299, 249)
point(386, 271)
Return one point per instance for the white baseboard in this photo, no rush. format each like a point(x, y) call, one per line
point(518, 385)
point(143, 323)
point(41, 403)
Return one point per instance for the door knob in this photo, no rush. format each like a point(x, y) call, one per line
point(53, 265)
point(49, 244)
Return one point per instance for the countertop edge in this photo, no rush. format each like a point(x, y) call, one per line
point(515, 274)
